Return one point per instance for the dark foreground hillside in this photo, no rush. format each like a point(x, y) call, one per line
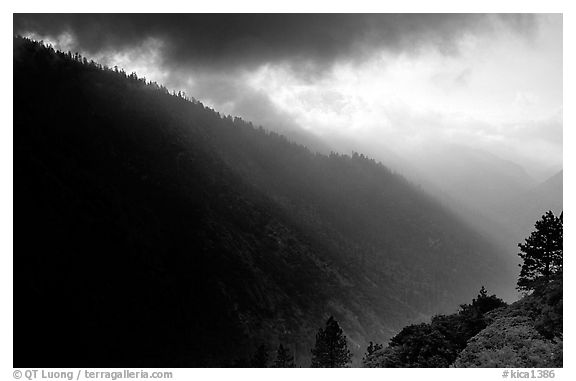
point(151, 231)
point(484, 334)
point(526, 334)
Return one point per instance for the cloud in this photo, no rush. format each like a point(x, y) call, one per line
point(308, 42)
point(403, 81)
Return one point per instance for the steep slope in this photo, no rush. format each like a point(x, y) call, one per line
point(160, 233)
point(526, 334)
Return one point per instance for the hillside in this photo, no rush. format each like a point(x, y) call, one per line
point(160, 233)
point(486, 333)
point(526, 334)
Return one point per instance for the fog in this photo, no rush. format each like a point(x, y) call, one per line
point(468, 106)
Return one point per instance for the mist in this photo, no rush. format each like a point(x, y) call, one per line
point(467, 106)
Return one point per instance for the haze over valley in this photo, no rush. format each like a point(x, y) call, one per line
point(230, 183)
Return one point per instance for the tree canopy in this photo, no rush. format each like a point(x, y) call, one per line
point(331, 348)
point(541, 252)
point(438, 343)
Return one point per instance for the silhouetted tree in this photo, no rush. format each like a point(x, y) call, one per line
point(481, 304)
point(331, 348)
point(283, 358)
point(260, 358)
point(422, 346)
point(472, 315)
point(541, 252)
point(434, 345)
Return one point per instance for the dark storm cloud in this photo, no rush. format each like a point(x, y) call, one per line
point(304, 41)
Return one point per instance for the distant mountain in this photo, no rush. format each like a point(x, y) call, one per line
point(474, 176)
point(532, 204)
point(549, 194)
point(495, 196)
point(153, 231)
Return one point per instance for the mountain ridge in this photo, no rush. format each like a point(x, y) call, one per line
point(155, 214)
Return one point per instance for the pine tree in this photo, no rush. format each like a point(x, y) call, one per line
point(484, 303)
point(331, 348)
point(542, 252)
point(283, 358)
point(472, 315)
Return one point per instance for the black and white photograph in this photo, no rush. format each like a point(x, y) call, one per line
point(287, 190)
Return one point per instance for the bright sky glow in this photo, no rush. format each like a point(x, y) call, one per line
point(502, 92)
point(494, 94)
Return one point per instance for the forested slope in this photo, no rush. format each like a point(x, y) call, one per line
point(152, 231)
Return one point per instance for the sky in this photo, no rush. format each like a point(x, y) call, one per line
point(406, 84)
